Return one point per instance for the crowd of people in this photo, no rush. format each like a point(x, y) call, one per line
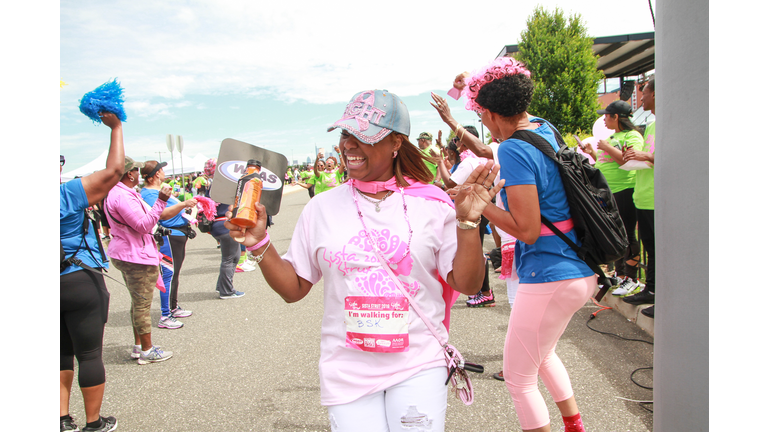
point(411, 218)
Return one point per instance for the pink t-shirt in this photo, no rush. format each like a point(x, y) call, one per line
point(329, 243)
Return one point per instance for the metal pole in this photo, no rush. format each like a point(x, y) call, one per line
point(180, 144)
point(169, 140)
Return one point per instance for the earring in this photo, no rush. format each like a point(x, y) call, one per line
point(394, 155)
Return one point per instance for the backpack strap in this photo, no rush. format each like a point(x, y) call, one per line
point(545, 147)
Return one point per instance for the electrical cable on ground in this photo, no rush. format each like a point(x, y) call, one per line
point(592, 316)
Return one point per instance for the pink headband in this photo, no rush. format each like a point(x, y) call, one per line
point(496, 69)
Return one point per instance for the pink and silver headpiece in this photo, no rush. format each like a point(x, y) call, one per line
point(496, 69)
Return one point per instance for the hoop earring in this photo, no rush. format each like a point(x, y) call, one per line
point(394, 155)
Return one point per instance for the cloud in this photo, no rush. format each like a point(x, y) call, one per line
point(189, 53)
point(311, 52)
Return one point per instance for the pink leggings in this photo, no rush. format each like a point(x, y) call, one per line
point(539, 317)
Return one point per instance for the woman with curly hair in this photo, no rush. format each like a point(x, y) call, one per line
point(554, 282)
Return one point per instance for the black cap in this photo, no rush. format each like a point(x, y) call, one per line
point(147, 173)
point(617, 107)
point(254, 162)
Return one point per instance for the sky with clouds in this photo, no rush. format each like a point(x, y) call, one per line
point(276, 76)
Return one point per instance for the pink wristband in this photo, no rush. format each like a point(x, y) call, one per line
point(263, 241)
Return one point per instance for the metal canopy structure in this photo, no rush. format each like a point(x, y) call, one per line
point(620, 56)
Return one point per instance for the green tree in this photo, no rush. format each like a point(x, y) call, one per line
point(563, 68)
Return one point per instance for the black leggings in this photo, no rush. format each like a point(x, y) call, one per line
point(84, 306)
point(179, 250)
point(628, 214)
point(486, 282)
point(646, 228)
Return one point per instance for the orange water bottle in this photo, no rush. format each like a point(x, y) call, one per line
point(248, 194)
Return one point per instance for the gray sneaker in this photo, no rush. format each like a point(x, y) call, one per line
point(108, 424)
point(155, 355)
point(68, 425)
point(235, 294)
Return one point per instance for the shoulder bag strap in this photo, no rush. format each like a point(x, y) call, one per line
point(408, 296)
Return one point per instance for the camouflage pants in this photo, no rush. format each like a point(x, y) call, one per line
point(141, 280)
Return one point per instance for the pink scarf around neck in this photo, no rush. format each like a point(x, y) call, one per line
point(426, 191)
point(415, 188)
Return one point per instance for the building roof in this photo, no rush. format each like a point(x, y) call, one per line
point(620, 56)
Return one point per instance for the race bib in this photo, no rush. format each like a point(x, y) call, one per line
point(377, 324)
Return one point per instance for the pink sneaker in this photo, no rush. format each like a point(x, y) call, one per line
point(482, 300)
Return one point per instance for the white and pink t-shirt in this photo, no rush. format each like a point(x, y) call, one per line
point(370, 340)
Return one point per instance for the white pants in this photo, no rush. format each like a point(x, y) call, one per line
point(417, 404)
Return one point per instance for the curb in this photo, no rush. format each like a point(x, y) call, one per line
point(630, 312)
point(289, 189)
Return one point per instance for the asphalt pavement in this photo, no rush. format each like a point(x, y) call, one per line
point(251, 364)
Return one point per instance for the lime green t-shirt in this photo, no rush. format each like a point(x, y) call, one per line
point(431, 166)
point(199, 182)
point(643, 195)
point(617, 178)
point(335, 178)
point(321, 182)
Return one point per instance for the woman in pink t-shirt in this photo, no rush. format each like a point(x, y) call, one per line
point(381, 368)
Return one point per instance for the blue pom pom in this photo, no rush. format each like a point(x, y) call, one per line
point(108, 97)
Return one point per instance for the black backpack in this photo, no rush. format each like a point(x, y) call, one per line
point(593, 210)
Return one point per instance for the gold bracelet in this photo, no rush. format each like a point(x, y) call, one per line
point(468, 224)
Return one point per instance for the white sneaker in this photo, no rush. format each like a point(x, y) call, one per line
point(247, 266)
point(627, 287)
point(156, 354)
point(180, 312)
point(170, 322)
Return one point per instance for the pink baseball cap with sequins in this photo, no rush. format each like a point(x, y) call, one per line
point(371, 115)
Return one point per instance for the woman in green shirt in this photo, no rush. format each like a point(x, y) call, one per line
point(319, 179)
point(608, 159)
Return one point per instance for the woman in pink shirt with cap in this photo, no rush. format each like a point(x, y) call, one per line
point(381, 367)
point(133, 251)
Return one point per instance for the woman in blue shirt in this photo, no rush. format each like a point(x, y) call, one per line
point(83, 294)
point(174, 245)
point(554, 282)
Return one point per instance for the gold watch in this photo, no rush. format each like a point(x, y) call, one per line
point(468, 225)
